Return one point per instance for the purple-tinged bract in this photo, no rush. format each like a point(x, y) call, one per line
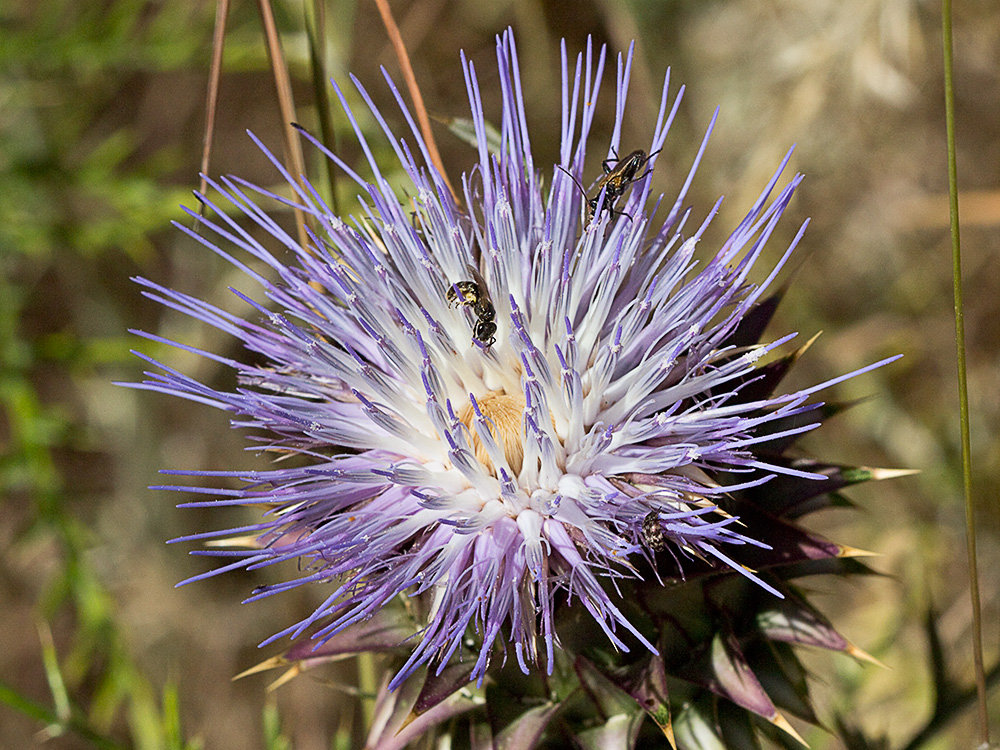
point(608, 434)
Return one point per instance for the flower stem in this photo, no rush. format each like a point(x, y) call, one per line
point(283, 83)
point(963, 389)
point(411, 84)
point(367, 686)
point(212, 96)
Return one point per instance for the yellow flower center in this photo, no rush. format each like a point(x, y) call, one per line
point(503, 414)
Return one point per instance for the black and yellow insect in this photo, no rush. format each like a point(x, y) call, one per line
point(467, 290)
point(652, 532)
point(618, 175)
point(475, 294)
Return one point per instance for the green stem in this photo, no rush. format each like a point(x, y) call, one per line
point(367, 686)
point(963, 389)
point(55, 724)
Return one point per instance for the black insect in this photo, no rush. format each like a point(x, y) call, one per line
point(467, 290)
point(618, 175)
point(485, 327)
point(652, 532)
point(475, 294)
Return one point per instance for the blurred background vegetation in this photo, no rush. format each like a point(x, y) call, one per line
point(101, 121)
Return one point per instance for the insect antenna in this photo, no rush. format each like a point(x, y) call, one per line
point(588, 202)
point(572, 176)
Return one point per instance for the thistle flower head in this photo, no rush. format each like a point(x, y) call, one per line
point(505, 406)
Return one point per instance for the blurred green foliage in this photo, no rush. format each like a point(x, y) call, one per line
point(77, 194)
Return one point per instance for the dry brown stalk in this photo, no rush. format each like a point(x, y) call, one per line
point(411, 84)
point(212, 97)
point(283, 83)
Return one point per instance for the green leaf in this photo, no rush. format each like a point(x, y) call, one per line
point(610, 699)
point(794, 620)
point(732, 678)
point(694, 731)
point(439, 687)
point(465, 130)
point(619, 732)
point(526, 732)
point(737, 726)
point(646, 682)
point(784, 678)
point(752, 325)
